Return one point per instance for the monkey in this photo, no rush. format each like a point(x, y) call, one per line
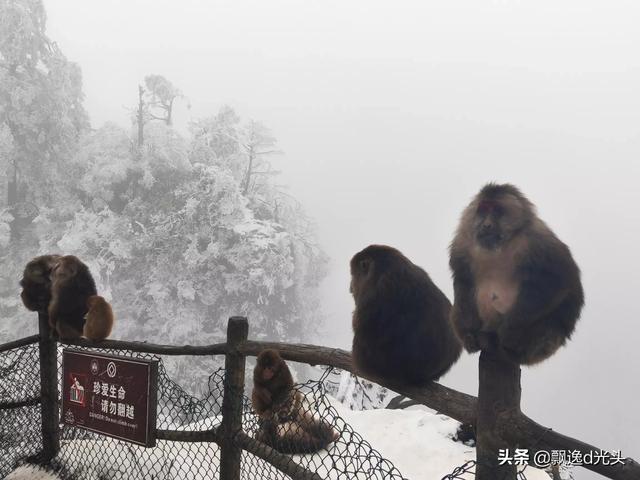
point(98, 320)
point(71, 287)
point(401, 326)
point(36, 283)
point(283, 425)
point(304, 435)
point(272, 385)
point(517, 288)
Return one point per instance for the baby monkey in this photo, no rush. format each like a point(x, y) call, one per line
point(284, 425)
point(99, 319)
point(273, 390)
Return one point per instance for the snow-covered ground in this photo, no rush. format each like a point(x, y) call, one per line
point(30, 473)
point(416, 440)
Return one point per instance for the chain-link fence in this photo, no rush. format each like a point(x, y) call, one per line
point(89, 455)
point(311, 424)
point(309, 434)
point(467, 471)
point(20, 413)
point(332, 449)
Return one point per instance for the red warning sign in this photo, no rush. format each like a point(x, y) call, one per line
point(110, 394)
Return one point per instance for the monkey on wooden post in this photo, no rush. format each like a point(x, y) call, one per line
point(401, 322)
point(517, 288)
point(36, 282)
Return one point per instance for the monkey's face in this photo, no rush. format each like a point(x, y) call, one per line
point(369, 267)
point(488, 231)
point(268, 373)
point(361, 271)
point(497, 220)
point(36, 275)
point(38, 270)
point(268, 365)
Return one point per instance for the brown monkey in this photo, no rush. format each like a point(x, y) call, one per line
point(401, 322)
point(71, 287)
point(98, 320)
point(272, 385)
point(283, 424)
point(303, 435)
point(517, 288)
point(36, 283)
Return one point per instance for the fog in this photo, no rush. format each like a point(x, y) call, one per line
point(391, 116)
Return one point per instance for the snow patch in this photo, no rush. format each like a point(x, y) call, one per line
point(417, 441)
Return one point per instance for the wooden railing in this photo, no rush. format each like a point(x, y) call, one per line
point(497, 416)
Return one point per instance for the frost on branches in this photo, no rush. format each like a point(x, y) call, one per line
point(173, 239)
point(180, 232)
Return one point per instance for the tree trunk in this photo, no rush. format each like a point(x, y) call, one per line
point(12, 200)
point(247, 177)
point(12, 185)
point(169, 119)
point(140, 117)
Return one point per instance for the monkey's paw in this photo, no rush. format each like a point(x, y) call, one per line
point(513, 343)
point(470, 342)
point(488, 341)
point(265, 414)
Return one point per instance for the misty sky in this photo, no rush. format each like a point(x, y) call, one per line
point(393, 114)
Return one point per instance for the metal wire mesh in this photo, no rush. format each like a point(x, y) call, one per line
point(346, 457)
point(343, 455)
point(466, 471)
point(19, 425)
point(96, 456)
point(463, 472)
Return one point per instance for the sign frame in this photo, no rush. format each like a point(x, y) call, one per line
point(151, 393)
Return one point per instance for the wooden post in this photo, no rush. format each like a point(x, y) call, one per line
point(48, 348)
point(234, 364)
point(499, 392)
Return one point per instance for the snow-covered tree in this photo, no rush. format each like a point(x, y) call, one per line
point(40, 105)
point(155, 102)
point(179, 233)
point(357, 393)
point(161, 95)
point(177, 246)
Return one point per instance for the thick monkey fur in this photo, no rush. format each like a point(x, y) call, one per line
point(99, 319)
point(303, 435)
point(401, 326)
point(272, 384)
point(284, 425)
point(36, 283)
point(71, 287)
point(517, 288)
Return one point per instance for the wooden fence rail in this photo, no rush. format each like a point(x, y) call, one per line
point(507, 424)
point(510, 424)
